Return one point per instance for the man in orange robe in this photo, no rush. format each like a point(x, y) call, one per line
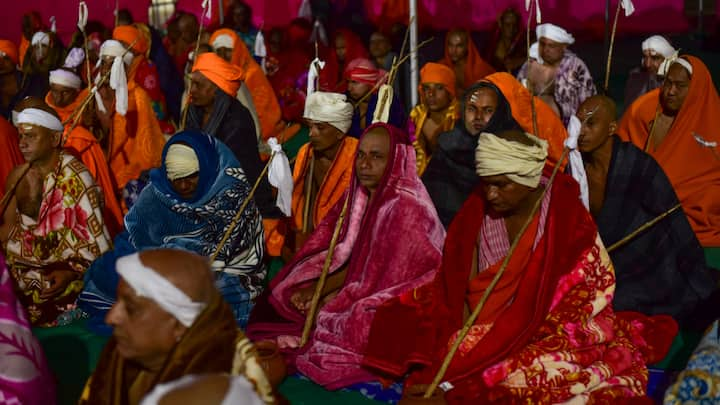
point(677, 125)
point(65, 96)
point(227, 44)
point(125, 110)
point(463, 58)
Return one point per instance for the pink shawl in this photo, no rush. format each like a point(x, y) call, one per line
point(392, 245)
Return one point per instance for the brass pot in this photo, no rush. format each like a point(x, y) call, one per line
point(272, 361)
point(415, 395)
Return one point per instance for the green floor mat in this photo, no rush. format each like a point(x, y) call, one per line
point(712, 256)
point(72, 352)
point(303, 392)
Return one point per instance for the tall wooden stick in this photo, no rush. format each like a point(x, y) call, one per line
point(471, 320)
point(652, 131)
point(308, 192)
point(642, 228)
point(610, 50)
point(310, 317)
point(195, 57)
point(527, 64)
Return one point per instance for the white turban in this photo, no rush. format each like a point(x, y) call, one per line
point(118, 78)
point(181, 161)
point(223, 41)
point(65, 78)
point(36, 116)
point(554, 33)
point(658, 44)
point(40, 38)
point(521, 163)
point(332, 108)
point(240, 390)
point(147, 283)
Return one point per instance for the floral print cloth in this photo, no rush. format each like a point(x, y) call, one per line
point(699, 383)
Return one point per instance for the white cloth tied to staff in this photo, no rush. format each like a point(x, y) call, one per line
point(147, 283)
point(280, 177)
point(577, 167)
point(332, 108)
point(554, 33)
point(657, 44)
point(36, 116)
point(522, 164)
point(118, 78)
point(313, 74)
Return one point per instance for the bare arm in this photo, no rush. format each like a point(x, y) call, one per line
point(8, 215)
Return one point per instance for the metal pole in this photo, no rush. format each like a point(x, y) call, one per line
point(413, 54)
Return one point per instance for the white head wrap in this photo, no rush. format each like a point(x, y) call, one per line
point(181, 161)
point(554, 33)
point(521, 163)
point(671, 60)
point(65, 78)
point(40, 37)
point(240, 391)
point(147, 283)
point(118, 78)
point(658, 44)
point(36, 116)
point(577, 168)
point(223, 41)
point(332, 108)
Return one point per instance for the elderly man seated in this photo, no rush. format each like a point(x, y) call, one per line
point(53, 223)
point(189, 204)
point(169, 321)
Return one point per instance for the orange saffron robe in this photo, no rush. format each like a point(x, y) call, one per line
point(475, 66)
point(693, 169)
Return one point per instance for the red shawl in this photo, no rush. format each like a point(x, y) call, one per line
point(392, 244)
point(561, 309)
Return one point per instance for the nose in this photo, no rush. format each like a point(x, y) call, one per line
point(491, 193)
point(112, 317)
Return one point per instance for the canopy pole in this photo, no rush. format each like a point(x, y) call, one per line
point(222, 12)
point(413, 53)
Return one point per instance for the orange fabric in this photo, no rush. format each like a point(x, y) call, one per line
point(475, 67)
point(129, 35)
point(693, 170)
point(10, 49)
point(263, 95)
point(274, 239)
point(227, 76)
point(550, 127)
point(85, 147)
point(11, 155)
point(438, 73)
point(22, 50)
point(136, 141)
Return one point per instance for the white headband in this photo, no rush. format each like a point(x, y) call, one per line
point(65, 78)
point(240, 391)
point(674, 59)
point(149, 284)
point(658, 44)
point(329, 107)
point(223, 41)
point(36, 116)
point(523, 164)
point(554, 33)
point(181, 161)
point(40, 38)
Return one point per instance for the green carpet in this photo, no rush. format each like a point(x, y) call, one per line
point(304, 392)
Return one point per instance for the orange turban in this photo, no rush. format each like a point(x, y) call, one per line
point(129, 34)
point(438, 73)
point(226, 76)
point(9, 49)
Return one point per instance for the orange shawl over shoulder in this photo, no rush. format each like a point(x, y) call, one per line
point(475, 67)
point(263, 95)
point(85, 147)
point(693, 169)
point(11, 156)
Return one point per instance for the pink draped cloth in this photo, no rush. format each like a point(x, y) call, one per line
point(24, 374)
point(391, 244)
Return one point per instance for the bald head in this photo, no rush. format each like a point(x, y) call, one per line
point(596, 103)
point(187, 271)
point(597, 115)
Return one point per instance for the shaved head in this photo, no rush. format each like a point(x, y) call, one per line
point(597, 115)
point(187, 271)
point(598, 102)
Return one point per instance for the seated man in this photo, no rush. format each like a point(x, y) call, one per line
point(389, 244)
point(677, 125)
point(189, 204)
point(462, 56)
point(437, 112)
point(547, 332)
point(570, 82)
point(362, 78)
point(53, 224)
point(169, 321)
point(662, 270)
point(323, 167)
point(645, 78)
point(65, 97)
point(497, 103)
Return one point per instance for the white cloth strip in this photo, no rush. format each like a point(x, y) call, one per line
point(280, 177)
point(577, 168)
point(36, 116)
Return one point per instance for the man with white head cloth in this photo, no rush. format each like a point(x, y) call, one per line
point(169, 321)
point(323, 167)
point(570, 82)
point(645, 77)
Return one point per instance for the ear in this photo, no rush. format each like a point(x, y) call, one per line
point(178, 330)
point(613, 127)
point(57, 139)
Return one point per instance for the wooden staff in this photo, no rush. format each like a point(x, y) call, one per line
point(642, 228)
point(610, 50)
point(195, 56)
point(527, 70)
point(476, 312)
point(308, 191)
point(310, 317)
point(11, 192)
point(652, 130)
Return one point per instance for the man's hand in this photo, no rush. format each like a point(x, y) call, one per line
point(57, 281)
point(302, 298)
